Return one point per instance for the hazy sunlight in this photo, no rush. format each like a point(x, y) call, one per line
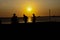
point(29, 9)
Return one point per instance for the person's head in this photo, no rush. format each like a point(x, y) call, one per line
point(33, 14)
point(14, 14)
point(23, 14)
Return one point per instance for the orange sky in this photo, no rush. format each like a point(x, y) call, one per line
point(39, 7)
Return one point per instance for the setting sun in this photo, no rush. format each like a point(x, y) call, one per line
point(29, 9)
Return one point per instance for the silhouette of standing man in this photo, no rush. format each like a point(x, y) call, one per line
point(34, 18)
point(25, 18)
point(14, 19)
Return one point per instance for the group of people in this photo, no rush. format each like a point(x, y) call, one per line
point(14, 19)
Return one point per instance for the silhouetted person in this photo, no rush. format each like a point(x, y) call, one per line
point(14, 19)
point(34, 18)
point(25, 18)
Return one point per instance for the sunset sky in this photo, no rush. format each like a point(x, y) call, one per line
point(20, 7)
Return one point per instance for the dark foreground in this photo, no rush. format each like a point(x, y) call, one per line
point(31, 27)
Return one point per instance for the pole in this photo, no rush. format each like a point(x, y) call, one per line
point(49, 15)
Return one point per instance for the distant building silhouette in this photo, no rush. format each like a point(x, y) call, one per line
point(25, 18)
point(14, 19)
point(34, 18)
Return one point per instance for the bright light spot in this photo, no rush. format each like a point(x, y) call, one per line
point(29, 9)
point(29, 19)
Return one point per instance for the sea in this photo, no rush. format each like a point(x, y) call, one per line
point(7, 20)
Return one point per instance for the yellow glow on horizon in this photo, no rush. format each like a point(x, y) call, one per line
point(29, 19)
point(28, 10)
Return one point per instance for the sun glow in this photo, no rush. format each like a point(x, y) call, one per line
point(29, 9)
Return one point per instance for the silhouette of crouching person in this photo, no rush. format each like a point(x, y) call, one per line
point(25, 18)
point(14, 19)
